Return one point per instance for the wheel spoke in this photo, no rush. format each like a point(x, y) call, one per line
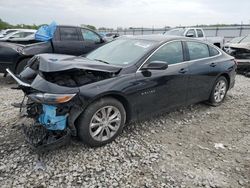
point(108, 132)
point(97, 131)
point(93, 125)
point(115, 120)
point(97, 118)
point(113, 128)
point(109, 111)
point(104, 114)
point(113, 116)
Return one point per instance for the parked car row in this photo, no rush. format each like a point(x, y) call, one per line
point(95, 95)
point(17, 35)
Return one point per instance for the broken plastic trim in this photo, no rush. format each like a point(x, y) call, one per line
point(41, 139)
point(20, 82)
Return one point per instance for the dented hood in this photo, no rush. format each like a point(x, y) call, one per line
point(58, 62)
point(241, 45)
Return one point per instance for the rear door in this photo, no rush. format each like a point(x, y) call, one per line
point(200, 67)
point(163, 89)
point(69, 41)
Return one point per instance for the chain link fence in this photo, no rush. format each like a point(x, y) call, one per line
point(228, 32)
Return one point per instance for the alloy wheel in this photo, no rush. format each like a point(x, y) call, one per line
point(220, 91)
point(105, 123)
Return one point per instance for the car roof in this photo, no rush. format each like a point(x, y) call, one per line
point(157, 38)
point(20, 30)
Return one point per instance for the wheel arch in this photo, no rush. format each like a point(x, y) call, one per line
point(118, 96)
point(19, 60)
point(226, 75)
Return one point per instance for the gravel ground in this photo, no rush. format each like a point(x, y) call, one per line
point(196, 146)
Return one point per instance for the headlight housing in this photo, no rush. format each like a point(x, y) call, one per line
point(49, 98)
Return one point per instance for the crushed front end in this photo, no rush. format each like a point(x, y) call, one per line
point(46, 124)
point(52, 102)
point(241, 52)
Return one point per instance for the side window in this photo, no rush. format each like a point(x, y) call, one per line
point(90, 36)
point(68, 34)
point(213, 51)
point(28, 34)
point(197, 50)
point(191, 33)
point(171, 53)
point(10, 31)
point(18, 35)
point(199, 33)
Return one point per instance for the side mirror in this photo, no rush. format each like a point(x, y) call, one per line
point(155, 65)
point(102, 40)
point(190, 35)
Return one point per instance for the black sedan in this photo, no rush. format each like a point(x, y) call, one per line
point(93, 97)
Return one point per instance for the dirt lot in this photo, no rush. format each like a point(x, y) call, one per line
point(197, 146)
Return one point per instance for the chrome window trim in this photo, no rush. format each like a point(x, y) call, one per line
point(190, 61)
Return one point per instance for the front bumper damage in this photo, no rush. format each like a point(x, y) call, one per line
point(45, 127)
point(52, 84)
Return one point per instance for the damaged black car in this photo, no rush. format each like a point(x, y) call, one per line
point(93, 97)
point(241, 52)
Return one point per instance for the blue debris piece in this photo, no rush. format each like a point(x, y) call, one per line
point(45, 32)
point(49, 119)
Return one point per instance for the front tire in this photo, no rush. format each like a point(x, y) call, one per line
point(101, 122)
point(219, 91)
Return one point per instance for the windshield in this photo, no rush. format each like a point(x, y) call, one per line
point(177, 32)
point(246, 39)
point(122, 51)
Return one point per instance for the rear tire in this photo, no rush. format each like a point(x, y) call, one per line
point(247, 74)
point(219, 91)
point(21, 65)
point(101, 122)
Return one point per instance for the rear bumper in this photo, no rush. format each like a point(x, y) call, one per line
point(243, 62)
point(243, 65)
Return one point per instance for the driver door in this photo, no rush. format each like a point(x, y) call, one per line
point(91, 40)
point(161, 90)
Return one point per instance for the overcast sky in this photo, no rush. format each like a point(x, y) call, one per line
point(126, 13)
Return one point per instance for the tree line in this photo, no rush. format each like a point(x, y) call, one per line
point(6, 25)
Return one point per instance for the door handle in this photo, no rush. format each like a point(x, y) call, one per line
point(213, 65)
point(183, 71)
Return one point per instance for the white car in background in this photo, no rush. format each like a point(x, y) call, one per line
point(6, 32)
point(197, 33)
point(18, 34)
